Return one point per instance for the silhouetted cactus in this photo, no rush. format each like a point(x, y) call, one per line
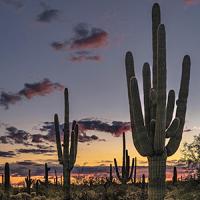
point(7, 177)
point(37, 187)
point(149, 132)
point(67, 157)
point(143, 181)
point(110, 178)
point(127, 170)
point(46, 172)
point(174, 178)
point(2, 177)
point(28, 182)
point(135, 171)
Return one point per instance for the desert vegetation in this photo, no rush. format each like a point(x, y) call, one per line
point(149, 137)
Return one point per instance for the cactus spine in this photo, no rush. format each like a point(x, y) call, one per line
point(7, 177)
point(67, 156)
point(126, 172)
point(29, 182)
point(174, 179)
point(149, 133)
point(46, 176)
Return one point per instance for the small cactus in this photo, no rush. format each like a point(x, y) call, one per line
point(174, 178)
point(143, 181)
point(7, 177)
point(29, 182)
point(126, 172)
point(46, 177)
point(135, 171)
point(37, 187)
point(110, 178)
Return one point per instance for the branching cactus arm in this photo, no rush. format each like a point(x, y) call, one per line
point(181, 103)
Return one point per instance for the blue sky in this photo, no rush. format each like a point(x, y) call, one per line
point(96, 82)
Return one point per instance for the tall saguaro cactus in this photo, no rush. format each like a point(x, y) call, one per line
point(29, 182)
point(7, 177)
point(67, 156)
point(127, 170)
point(149, 132)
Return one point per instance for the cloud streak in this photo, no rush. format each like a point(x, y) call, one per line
point(29, 91)
point(15, 136)
point(116, 128)
point(81, 58)
point(7, 154)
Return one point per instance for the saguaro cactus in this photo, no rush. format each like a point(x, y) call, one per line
point(37, 187)
point(174, 178)
point(7, 177)
point(149, 132)
point(110, 178)
point(126, 172)
point(46, 176)
point(29, 182)
point(67, 156)
point(135, 171)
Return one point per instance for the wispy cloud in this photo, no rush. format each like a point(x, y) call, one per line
point(48, 15)
point(74, 58)
point(30, 90)
point(15, 136)
point(116, 128)
point(85, 37)
point(7, 154)
point(36, 151)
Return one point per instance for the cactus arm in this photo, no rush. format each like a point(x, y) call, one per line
point(172, 130)
point(76, 141)
point(146, 90)
point(132, 167)
point(174, 142)
point(155, 24)
point(159, 139)
point(74, 144)
point(117, 170)
point(140, 135)
point(66, 130)
point(124, 157)
point(170, 107)
point(127, 165)
point(58, 142)
point(130, 72)
point(73, 148)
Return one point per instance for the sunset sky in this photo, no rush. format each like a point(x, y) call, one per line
point(49, 45)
